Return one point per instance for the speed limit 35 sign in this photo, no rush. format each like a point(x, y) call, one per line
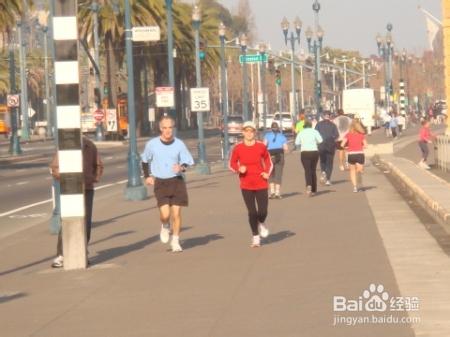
point(200, 99)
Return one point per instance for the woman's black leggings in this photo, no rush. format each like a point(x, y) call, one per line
point(309, 160)
point(256, 202)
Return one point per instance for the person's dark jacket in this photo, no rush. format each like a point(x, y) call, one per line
point(92, 164)
point(329, 133)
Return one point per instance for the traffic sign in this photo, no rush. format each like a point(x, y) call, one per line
point(253, 58)
point(111, 120)
point(200, 99)
point(99, 115)
point(165, 97)
point(13, 101)
point(146, 33)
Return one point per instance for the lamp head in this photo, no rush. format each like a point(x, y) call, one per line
point(320, 33)
point(196, 14)
point(222, 29)
point(309, 34)
point(243, 41)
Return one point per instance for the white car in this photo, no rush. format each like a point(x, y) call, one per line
point(269, 119)
point(287, 122)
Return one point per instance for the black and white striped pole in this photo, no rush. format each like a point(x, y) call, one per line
point(65, 35)
point(402, 98)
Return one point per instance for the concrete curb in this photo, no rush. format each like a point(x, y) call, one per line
point(432, 206)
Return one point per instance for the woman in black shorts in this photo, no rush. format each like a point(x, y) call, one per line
point(355, 141)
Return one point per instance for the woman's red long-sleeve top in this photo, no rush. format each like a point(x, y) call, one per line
point(257, 160)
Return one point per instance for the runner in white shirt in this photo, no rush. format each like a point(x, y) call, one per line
point(343, 125)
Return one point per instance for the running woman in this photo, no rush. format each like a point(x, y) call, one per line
point(168, 158)
point(425, 137)
point(276, 143)
point(251, 160)
point(355, 140)
point(308, 140)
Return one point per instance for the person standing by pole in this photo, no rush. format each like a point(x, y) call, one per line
point(276, 143)
point(92, 171)
point(164, 160)
point(327, 148)
point(250, 159)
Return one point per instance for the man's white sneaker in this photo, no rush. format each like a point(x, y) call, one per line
point(175, 244)
point(355, 189)
point(164, 235)
point(256, 241)
point(263, 230)
point(328, 183)
point(58, 262)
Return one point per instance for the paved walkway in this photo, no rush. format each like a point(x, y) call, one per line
point(334, 244)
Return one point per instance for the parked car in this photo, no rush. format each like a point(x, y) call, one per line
point(269, 119)
point(287, 122)
point(235, 123)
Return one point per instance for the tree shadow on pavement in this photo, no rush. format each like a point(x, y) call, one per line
point(201, 240)
point(110, 220)
point(368, 188)
point(112, 237)
point(277, 237)
point(112, 253)
point(7, 298)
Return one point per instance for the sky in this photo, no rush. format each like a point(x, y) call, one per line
point(348, 24)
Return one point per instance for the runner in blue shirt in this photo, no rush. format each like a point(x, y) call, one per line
point(168, 158)
point(276, 144)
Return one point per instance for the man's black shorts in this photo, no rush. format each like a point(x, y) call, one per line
point(171, 191)
point(356, 158)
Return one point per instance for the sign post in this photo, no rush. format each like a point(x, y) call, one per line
point(253, 58)
point(165, 97)
point(200, 99)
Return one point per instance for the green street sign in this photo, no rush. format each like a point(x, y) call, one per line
point(253, 58)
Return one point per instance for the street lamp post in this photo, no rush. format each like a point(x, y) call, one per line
point(386, 49)
point(202, 167)
point(293, 38)
point(14, 144)
point(262, 51)
point(99, 132)
point(243, 42)
point(169, 11)
point(315, 47)
point(223, 86)
point(25, 134)
point(135, 190)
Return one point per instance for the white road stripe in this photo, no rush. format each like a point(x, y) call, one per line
point(51, 200)
point(22, 183)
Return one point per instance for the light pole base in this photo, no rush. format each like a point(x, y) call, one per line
point(202, 168)
point(55, 223)
point(136, 193)
point(14, 146)
point(99, 135)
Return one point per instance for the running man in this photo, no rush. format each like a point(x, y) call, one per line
point(343, 125)
point(251, 160)
point(168, 158)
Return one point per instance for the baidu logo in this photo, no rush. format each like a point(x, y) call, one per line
point(372, 300)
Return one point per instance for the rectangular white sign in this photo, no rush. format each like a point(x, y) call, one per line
point(111, 120)
point(200, 99)
point(165, 97)
point(146, 33)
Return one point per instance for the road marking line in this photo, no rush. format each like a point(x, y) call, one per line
point(22, 183)
point(51, 200)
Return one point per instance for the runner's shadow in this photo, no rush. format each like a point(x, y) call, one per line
point(7, 298)
point(277, 237)
point(368, 188)
point(324, 192)
point(201, 241)
point(110, 220)
point(337, 182)
point(288, 195)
